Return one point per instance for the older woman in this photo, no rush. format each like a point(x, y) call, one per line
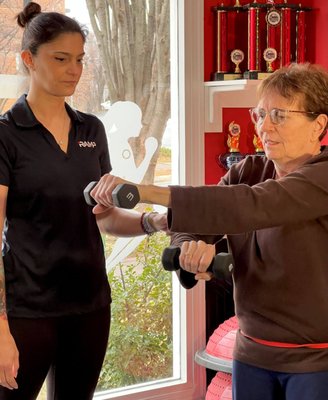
point(274, 210)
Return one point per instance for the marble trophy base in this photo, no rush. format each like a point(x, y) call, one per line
point(224, 76)
point(256, 75)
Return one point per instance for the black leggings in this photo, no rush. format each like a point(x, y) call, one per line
point(69, 351)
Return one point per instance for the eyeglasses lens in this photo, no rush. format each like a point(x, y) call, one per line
point(277, 116)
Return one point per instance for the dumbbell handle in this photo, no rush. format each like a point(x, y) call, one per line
point(221, 265)
point(124, 195)
point(86, 192)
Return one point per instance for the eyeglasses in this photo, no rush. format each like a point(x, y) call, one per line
point(277, 115)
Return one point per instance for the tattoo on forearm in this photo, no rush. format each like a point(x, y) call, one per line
point(3, 309)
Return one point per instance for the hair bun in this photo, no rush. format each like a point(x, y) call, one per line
point(30, 11)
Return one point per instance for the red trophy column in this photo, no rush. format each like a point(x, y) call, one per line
point(285, 47)
point(225, 21)
point(254, 39)
point(273, 20)
point(222, 62)
point(300, 33)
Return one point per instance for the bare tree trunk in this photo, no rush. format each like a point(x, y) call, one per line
point(134, 43)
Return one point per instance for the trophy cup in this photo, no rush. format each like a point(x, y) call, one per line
point(237, 56)
point(233, 137)
point(258, 146)
point(276, 37)
point(227, 42)
point(270, 55)
point(234, 156)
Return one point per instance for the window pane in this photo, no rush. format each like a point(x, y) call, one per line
point(127, 79)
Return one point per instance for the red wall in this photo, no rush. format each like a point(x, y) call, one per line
point(215, 142)
point(320, 32)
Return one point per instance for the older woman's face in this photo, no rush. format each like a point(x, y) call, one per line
point(295, 138)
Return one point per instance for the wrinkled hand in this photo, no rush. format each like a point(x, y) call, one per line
point(195, 257)
point(159, 222)
point(102, 192)
point(9, 362)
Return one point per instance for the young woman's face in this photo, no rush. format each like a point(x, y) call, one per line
point(57, 67)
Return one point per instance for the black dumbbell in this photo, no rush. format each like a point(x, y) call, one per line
point(124, 195)
point(221, 265)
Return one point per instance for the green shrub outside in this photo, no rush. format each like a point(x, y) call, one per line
point(140, 343)
point(164, 154)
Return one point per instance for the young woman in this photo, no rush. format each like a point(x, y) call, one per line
point(274, 210)
point(54, 292)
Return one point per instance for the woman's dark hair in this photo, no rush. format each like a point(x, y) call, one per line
point(44, 27)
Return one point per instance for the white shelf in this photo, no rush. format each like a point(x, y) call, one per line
point(236, 93)
point(233, 84)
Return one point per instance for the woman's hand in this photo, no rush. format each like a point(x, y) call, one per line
point(149, 194)
point(102, 192)
point(9, 362)
point(196, 257)
point(159, 221)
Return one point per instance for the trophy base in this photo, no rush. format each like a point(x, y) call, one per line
point(226, 160)
point(222, 76)
point(256, 75)
point(233, 158)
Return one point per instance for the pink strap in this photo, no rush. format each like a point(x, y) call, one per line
point(287, 345)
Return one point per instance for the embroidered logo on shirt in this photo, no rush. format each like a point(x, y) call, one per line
point(86, 144)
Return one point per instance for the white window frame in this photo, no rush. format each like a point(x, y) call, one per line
point(188, 80)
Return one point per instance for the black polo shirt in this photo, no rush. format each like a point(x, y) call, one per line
point(55, 264)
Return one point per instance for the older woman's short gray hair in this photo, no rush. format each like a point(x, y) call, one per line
point(307, 83)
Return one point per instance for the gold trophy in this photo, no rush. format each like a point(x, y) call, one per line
point(237, 56)
point(270, 55)
point(226, 20)
point(233, 137)
point(258, 145)
point(273, 17)
point(233, 156)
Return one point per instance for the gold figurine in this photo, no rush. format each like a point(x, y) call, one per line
point(233, 137)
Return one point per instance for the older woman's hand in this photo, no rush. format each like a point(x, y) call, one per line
point(195, 257)
point(159, 222)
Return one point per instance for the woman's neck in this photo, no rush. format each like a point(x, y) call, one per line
point(50, 111)
point(286, 168)
point(46, 107)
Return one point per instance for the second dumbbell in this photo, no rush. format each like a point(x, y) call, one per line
point(221, 265)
